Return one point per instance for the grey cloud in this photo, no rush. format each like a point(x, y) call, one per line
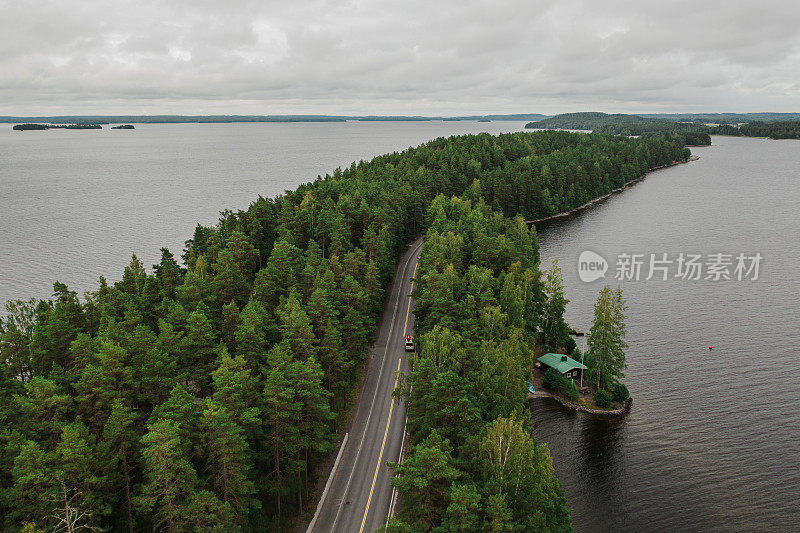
point(445, 57)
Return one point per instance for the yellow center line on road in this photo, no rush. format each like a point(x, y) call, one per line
point(391, 408)
point(408, 309)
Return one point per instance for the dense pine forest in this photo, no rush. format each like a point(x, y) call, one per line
point(202, 394)
point(473, 464)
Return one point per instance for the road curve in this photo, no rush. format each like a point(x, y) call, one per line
point(359, 494)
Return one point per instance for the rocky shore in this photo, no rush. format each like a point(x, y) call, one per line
point(621, 411)
point(572, 212)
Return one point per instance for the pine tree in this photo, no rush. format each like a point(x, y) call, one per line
point(205, 512)
point(43, 410)
point(281, 411)
point(296, 328)
point(229, 459)
point(133, 277)
point(80, 470)
point(231, 320)
point(244, 255)
point(554, 329)
point(231, 283)
point(236, 389)
point(169, 477)
point(120, 436)
point(251, 335)
point(181, 409)
point(499, 518)
point(169, 274)
point(34, 485)
point(463, 513)
point(325, 319)
point(279, 275)
point(423, 480)
point(334, 360)
point(191, 292)
point(57, 325)
point(314, 416)
point(16, 332)
point(155, 364)
point(103, 382)
point(199, 351)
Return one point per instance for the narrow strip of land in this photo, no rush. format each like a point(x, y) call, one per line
point(360, 494)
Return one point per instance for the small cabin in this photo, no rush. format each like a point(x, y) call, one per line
point(567, 366)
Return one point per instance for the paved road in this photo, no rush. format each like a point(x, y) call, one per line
point(359, 496)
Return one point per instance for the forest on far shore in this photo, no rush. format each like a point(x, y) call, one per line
point(693, 128)
point(629, 125)
point(772, 130)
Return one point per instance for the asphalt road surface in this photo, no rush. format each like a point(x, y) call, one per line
point(359, 496)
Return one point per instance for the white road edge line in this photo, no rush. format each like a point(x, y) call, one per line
point(393, 499)
point(399, 461)
point(327, 484)
point(375, 395)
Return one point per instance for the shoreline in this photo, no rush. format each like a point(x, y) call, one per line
point(590, 203)
point(541, 392)
point(621, 411)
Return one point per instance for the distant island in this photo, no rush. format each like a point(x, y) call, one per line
point(617, 124)
point(79, 126)
point(24, 127)
point(123, 127)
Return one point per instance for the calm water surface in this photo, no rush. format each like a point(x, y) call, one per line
point(74, 205)
point(713, 440)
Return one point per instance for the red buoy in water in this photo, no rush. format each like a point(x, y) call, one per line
point(710, 347)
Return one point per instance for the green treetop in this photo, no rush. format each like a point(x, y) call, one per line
point(606, 343)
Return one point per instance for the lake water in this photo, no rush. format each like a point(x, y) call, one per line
point(713, 440)
point(74, 205)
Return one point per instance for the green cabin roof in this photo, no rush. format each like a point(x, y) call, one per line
point(560, 362)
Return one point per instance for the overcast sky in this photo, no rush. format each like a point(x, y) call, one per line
point(397, 57)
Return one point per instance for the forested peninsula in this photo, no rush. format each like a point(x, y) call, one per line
point(621, 124)
point(772, 130)
point(691, 127)
point(204, 395)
